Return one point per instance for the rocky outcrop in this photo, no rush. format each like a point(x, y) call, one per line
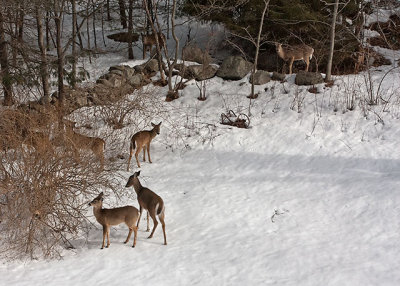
point(199, 72)
point(278, 76)
point(261, 77)
point(193, 53)
point(308, 78)
point(234, 68)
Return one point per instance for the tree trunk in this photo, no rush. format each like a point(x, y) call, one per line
point(266, 3)
point(5, 73)
point(74, 58)
point(44, 73)
point(130, 30)
point(108, 10)
point(60, 60)
point(122, 13)
point(332, 42)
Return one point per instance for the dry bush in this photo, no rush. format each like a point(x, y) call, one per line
point(44, 190)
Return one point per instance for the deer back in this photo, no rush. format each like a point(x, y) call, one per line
point(297, 52)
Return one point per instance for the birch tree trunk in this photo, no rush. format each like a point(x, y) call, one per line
point(332, 42)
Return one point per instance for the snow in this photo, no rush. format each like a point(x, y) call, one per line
point(307, 196)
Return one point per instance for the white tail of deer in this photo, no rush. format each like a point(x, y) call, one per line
point(141, 140)
point(108, 217)
point(150, 40)
point(79, 141)
point(149, 201)
point(295, 53)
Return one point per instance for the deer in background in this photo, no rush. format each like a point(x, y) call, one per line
point(79, 141)
point(149, 201)
point(141, 140)
point(295, 53)
point(115, 216)
point(150, 40)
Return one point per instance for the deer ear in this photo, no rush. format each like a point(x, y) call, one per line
point(160, 123)
point(101, 194)
point(138, 173)
point(152, 124)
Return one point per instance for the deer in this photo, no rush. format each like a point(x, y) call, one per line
point(115, 216)
point(149, 201)
point(79, 141)
point(150, 40)
point(141, 140)
point(295, 53)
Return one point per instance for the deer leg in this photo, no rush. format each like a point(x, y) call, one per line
point(290, 65)
point(161, 217)
point(148, 223)
point(307, 60)
point(144, 153)
point(140, 215)
point(108, 236)
point(134, 235)
point(129, 234)
point(130, 157)
point(148, 152)
point(104, 235)
point(155, 223)
point(136, 155)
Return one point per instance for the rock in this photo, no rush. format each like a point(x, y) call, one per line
point(124, 37)
point(278, 76)
point(148, 67)
point(261, 77)
point(234, 68)
point(136, 80)
point(308, 78)
point(200, 72)
point(193, 53)
point(122, 70)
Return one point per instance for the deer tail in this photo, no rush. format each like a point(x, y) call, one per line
point(159, 208)
point(133, 143)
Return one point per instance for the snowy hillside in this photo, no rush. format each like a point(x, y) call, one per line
point(308, 195)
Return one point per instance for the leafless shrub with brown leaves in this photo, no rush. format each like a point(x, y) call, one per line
point(44, 190)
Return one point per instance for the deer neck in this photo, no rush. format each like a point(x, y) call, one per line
point(137, 186)
point(281, 53)
point(153, 133)
point(97, 212)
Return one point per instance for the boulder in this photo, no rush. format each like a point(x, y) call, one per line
point(200, 72)
point(148, 67)
point(234, 68)
point(308, 78)
point(193, 53)
point(261, 77)
point(136, 80)
point(122, 70)
point(278, 76)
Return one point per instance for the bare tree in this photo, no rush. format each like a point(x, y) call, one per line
point(4, 64)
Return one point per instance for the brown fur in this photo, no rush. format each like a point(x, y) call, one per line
point(115, 216)
point(149, 201)
point(141, 140)
point(79, 141)
point(295, 53)
point(150, 40)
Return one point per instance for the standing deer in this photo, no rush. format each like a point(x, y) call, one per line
point(295, 53)
point(150, 40)
point(149, 201)
point(79, 141)
point(115, 216)
point(141, 140)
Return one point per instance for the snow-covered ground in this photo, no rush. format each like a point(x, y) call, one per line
point(307, 198)
point(309, 195)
